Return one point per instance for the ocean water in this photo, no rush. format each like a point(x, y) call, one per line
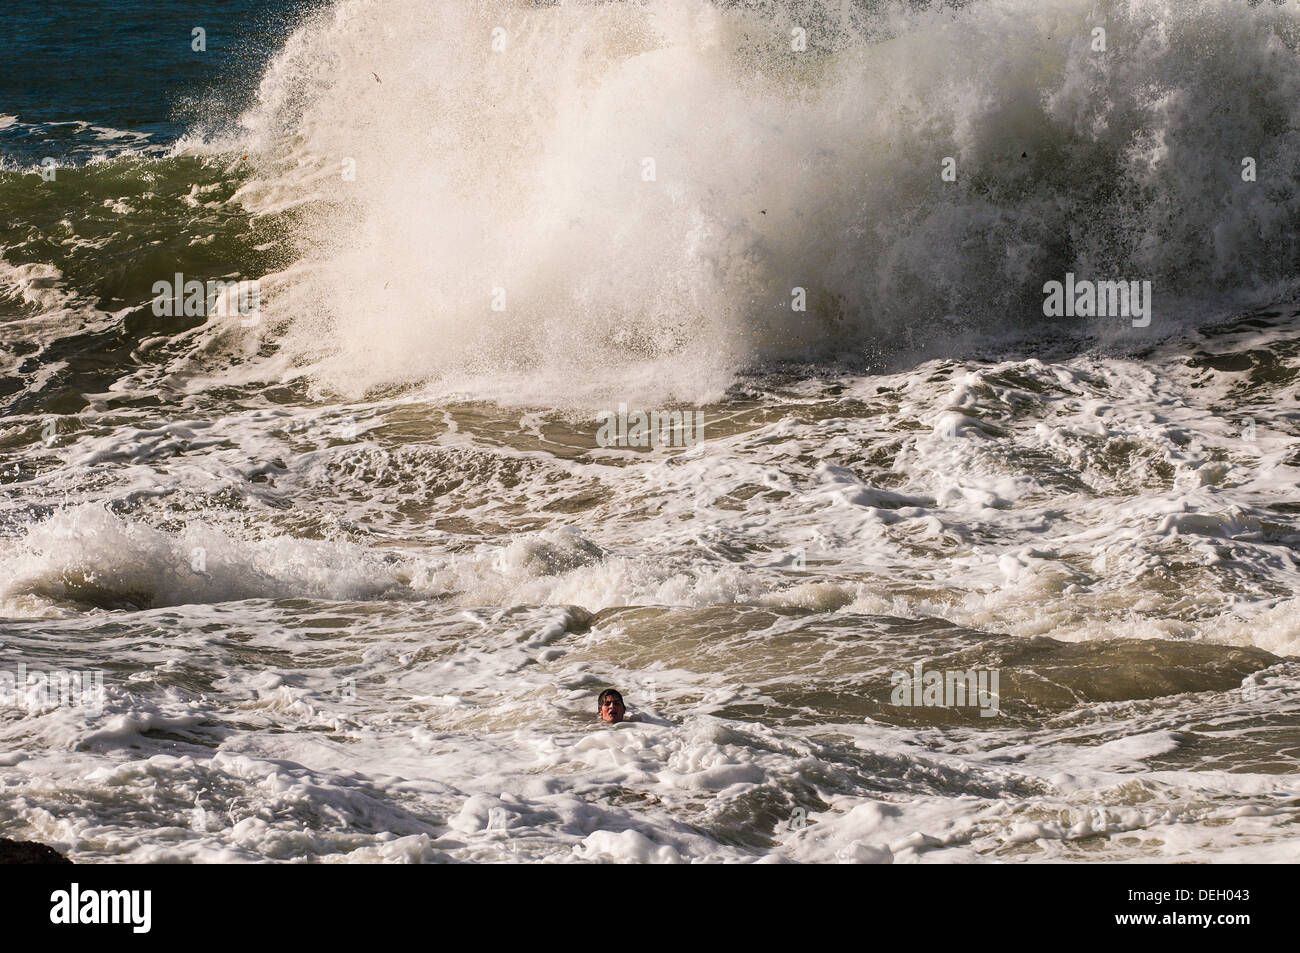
point(351, 554)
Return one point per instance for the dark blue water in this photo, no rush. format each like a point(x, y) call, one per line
point(128, 65)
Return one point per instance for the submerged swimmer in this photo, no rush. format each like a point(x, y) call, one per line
point(609, 706)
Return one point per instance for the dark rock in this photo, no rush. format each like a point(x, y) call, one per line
point(29, 852)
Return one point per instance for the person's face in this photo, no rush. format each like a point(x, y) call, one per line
point(611, 709)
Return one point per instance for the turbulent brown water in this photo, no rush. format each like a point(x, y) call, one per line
point(354, 572)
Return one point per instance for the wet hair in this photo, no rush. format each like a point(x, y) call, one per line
point(600, 699)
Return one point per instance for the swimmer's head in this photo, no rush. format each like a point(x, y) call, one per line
point(609, 706)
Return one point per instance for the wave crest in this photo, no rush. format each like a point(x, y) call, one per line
point(640, 189)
